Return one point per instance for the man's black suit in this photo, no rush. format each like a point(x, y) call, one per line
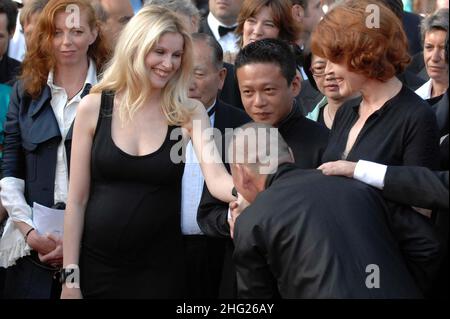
point(204, 254)
point(230, 92)
point(316, 236)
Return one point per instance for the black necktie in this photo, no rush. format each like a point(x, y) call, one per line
point(224, 30)
point(212, 111)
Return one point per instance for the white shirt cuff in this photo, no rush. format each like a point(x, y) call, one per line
point(370, 173)
point(13, 199)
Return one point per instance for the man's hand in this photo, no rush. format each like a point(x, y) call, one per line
point(236, 208)
point(339, 168)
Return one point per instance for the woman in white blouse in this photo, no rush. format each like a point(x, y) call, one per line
point(65, 53)
point(434, 30)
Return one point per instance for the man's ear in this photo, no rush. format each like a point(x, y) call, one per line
point(222, 76)
point(296, 85)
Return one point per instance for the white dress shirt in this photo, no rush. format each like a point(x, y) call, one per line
point(425, 90)
point(370, 173)
point(192, 189)
point(65, 111)
point(229, 41)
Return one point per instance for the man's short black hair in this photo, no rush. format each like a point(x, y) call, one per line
point(10, 9)
point(269, 51)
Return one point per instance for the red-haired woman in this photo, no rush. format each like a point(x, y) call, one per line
point(389, 123)
point(61, 65)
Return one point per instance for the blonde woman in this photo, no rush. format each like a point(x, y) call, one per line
point(122, 224)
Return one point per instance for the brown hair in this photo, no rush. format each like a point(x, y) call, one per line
point(39, 59)
point(282, 17)
point(343, 36)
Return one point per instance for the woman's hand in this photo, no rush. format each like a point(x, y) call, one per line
point(339, 168)
point(71, 292)
point(42, 244)
point(55, 257)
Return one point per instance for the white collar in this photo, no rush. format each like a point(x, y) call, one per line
point(214, 25)
point(91, 77)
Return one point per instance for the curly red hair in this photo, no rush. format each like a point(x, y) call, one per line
point(39, 59)
point(343, 36)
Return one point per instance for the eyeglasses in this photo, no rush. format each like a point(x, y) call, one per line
point(317, 70)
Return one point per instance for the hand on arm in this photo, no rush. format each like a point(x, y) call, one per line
point(338, 168)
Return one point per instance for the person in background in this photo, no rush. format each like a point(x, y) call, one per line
point(325, 111)
point(59, 68)
point(434, 30)
point(29, 16)
point(262, 19)
point(113, 16)
point(185, 8)
point(9, 67)
point(221, 23)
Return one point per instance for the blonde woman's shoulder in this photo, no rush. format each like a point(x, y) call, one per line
point(88, 110)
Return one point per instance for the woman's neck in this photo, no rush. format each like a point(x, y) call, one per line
point(71, 78)
point(334, 105)
point(438, 87)
point(376, 93)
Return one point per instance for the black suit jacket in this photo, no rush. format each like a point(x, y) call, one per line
point(411, 25)
point(230, 92)
point(313, 236)
point(417, 186)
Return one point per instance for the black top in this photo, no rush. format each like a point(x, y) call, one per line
point(307, 139)
point(312, 236)
point(132, 243)
point(9, 70)
point(402, 132)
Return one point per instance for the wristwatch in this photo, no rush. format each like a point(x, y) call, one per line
point(64, 273)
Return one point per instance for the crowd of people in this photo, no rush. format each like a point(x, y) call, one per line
point(223, 149)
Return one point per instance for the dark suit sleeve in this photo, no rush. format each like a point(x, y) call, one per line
point(418, 243)
point(212, 216)
point(421, 143)
point(417, 186)
point(254, 278)
point(13, 164)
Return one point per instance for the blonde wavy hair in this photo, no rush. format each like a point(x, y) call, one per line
point(127, 74)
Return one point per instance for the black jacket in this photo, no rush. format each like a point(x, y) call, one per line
point(314, 236)
point(32, 136)
point(9, 70)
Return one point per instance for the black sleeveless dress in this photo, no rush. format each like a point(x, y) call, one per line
point(132, 244)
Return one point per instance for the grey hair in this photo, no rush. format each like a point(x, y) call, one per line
point(100, 12)
point(216, 48)
point(185, 7)
point(258, 146)
point(435, 21)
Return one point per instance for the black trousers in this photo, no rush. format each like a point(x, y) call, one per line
point(204, 262)
point(30, 279)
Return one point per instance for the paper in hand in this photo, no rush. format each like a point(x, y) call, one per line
point(48, 220)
